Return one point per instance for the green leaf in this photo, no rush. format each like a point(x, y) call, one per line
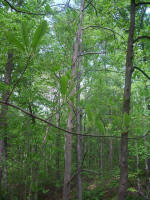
point(89, 114)
point(48, 9)
point(39, 33)
point(12, 39)
point(63, 84)
point(100, 126)
point(25, 34)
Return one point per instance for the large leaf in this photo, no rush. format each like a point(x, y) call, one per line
point(63, 84)
point(48, 9)
point(39, 33)
point(12, 39)
point(89, 114)
point(25, 34)
point(100, 126)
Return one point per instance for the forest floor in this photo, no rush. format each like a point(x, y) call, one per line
point(93, 189)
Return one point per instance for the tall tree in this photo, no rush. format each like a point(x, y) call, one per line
point(126, 106)
point(3, 116)
point(68, 143)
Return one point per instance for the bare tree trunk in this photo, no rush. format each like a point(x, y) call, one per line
point(137, 167)
point(79, 150)
point(68, 144)
point(147, 170)
point(3, 120)
point(126, 107)
point(34, 167)
point(111, 153)
point(101, 155)
point(57, 147)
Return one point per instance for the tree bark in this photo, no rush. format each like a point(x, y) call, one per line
point(58, 146)
point(78, 110)
point(111, 153)
point(126, 107)
point(147, 170)
point(137, 167)
point(3, 118)
point(68, 143)
point(101, 155)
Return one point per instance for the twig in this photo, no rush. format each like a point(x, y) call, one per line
point(22, 11)
point(142, 3)
point(103, 70)
point(142, 72)
point(87, 5)
point(91, 53)
point(16, 83)
point(142, 37)
point(105, 28)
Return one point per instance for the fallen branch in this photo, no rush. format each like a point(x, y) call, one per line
point(64, 130)
point(90, 53)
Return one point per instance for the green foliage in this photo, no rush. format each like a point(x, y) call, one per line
point(25, 33)
point(100, 126)
point(96, 194)
point(38, 34)
point(64, 84)
point(35, 152)
point(13, 40)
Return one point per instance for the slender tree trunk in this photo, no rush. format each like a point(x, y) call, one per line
point(137, 167)
point(3, 119)
point(34, 167)
point(57, 147)
point(111, 153)
point(126, 107)
point(101, 155)
point(79, 150)
point(68, 144)
point(147, 170)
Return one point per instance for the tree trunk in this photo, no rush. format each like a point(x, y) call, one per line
point(78, 115)
point(58, 146)
point(147, 170)
point(137, 168)
point(3, 119)
point(111, 153)
point(68, 144)
point(126, 107)
point(101, 155)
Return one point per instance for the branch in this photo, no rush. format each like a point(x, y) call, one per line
point(64, 130)
point(90, 3)
point(22, 11)
point(103, 70)
point(87, 5)
point(142, 3)
point(91, 53)
point(94, 8)
point(142, 72)
point(105, 28)
point(16, 83)
point(90, 171)
point(141, 37)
